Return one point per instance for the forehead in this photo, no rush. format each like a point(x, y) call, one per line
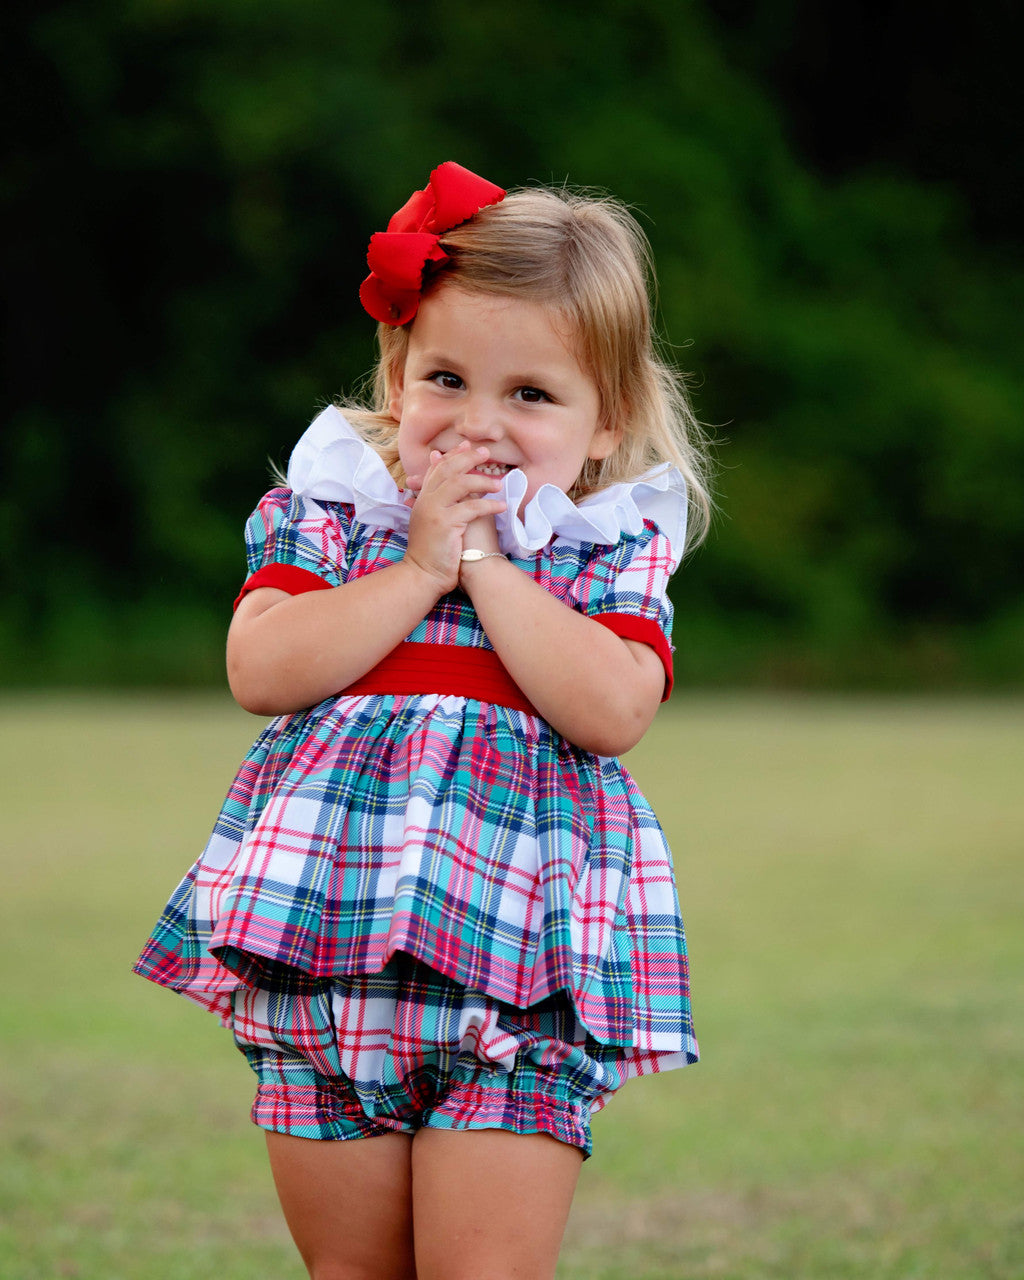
point(495, 325)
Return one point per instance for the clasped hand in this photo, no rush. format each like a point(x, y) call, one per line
point(451, 513)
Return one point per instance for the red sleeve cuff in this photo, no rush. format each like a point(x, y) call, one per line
point(286, 577)
point(645, 631)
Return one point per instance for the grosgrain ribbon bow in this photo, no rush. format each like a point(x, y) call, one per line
point(398, 257)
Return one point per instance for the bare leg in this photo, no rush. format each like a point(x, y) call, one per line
point(490, 1205)
point(348, 1204)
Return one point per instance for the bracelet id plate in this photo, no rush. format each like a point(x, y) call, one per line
point(472, 554)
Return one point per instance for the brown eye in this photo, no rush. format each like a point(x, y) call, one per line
point(449, 381)
point(532, 395)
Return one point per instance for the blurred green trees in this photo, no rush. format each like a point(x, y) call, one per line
point(188, 202)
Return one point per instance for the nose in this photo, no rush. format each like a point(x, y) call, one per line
point(481, 421)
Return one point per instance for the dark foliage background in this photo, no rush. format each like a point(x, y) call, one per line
point(834, 198)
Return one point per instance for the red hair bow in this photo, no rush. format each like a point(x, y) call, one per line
point(398, 257)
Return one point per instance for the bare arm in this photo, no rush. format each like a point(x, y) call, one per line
point(596, 689)
point(288, 652)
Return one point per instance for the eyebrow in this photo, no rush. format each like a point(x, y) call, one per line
point(434, 357)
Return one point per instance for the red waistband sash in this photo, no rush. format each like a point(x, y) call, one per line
point(443, 668)
point(446, 668)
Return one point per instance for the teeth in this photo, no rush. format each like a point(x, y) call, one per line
point(492, 469)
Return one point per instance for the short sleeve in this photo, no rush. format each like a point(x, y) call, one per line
point(294, 544)
point(625, 588)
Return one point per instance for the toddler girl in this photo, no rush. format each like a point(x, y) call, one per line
point(435, 910)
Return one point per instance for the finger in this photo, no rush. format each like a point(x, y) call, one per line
point(460, 485)
point(434, 458)
point(471, 509)
point(435, 471)
point(463, 458)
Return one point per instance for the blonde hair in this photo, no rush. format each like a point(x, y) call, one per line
point(585, 256)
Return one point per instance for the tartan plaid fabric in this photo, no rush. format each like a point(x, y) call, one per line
point(325, 539)
point(468, 835)
point(407, 1048)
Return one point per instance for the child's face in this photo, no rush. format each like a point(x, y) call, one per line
point(497, 372)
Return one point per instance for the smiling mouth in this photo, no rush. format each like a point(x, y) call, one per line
point(495, 469)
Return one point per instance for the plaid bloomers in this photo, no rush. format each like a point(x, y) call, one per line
point(408, 1048)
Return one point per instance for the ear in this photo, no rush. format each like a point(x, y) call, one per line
point(605, 440)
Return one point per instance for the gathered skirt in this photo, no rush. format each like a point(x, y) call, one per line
point(467, 835)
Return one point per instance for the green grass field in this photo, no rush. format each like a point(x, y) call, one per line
point(852, 879)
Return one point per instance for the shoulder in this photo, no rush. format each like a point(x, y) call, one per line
point(282, 506)
point(638, 564)
point(612, 555)
point(652, 507)
point(285, 521)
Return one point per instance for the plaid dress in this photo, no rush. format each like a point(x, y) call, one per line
point(466, 834)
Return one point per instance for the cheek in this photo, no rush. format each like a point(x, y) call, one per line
point(415, 419)
point(408, 440)
point(416, 432)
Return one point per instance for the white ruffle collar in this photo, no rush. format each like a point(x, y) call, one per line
point(332, 463)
